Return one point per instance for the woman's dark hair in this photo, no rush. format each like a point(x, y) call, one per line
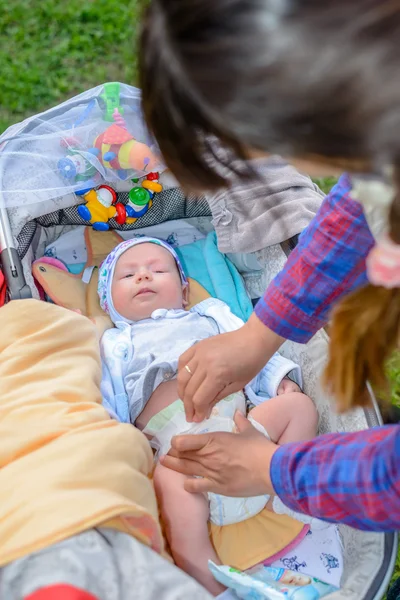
point(314, 79)
point(306, 78)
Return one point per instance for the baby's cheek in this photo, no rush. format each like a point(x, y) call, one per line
point(172, 292)
point(120, 295)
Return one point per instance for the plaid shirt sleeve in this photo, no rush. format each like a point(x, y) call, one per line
point(351, 478)
point(328, 262)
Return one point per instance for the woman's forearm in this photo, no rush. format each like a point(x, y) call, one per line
point(264, 339)
point(348, 478)
point(328, 262)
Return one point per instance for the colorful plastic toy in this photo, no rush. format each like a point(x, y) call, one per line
point(117, 149)
point(76, 168)
point(110, 97)
point(101, 206)
point(141, 198)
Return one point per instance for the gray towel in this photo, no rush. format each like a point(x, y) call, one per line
point(278, 203)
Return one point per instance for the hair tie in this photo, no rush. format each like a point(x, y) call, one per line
point(383, 264)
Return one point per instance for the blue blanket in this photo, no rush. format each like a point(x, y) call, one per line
point(203, 262)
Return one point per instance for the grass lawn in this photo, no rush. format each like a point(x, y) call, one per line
point(52, 50)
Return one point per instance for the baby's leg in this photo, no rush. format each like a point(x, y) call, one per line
point(185, 517)
point(288, 418)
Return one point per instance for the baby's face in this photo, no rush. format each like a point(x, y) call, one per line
point(146, 277)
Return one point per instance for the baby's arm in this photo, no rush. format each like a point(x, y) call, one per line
point(116, 353)
point(269, 381)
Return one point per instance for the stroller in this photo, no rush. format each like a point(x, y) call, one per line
point(48, 165)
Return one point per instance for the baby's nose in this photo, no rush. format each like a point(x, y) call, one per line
point(143, 275)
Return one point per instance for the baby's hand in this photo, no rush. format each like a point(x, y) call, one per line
point(287, 386)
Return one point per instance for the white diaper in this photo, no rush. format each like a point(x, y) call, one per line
point(171, 421)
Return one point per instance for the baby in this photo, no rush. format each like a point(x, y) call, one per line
point(144, 290)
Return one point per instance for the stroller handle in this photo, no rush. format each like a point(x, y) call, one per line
point(12, 267)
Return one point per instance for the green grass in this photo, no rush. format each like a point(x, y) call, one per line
point(325, 183)
point(52, 50)
point(393, 371)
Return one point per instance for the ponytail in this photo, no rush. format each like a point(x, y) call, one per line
point(364, 333)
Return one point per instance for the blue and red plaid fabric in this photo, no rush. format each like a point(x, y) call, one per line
point(351, 478)
point(328, 262)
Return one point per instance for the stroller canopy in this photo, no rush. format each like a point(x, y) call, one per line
point(95, 137)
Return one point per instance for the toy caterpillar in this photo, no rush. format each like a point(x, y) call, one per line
point(117, 149)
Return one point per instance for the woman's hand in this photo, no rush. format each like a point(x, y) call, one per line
point(221, 365)
point(228, 463)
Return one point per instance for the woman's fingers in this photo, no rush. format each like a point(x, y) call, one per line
point(183, 465)
point(229, 389)
point(186, 369)
point(232, 464)
point(204, 397)
point(190, 443)
point(195, 383)
point(183, 374)
point(242, 423)
point(200, 486)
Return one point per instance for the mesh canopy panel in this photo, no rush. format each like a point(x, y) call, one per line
point(95, 137)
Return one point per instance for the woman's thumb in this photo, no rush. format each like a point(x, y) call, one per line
point(241, 422)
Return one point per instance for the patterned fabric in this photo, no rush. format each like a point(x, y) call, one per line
point(351, 478)
point(319, 553)
point(328, 262)
point(106, 272)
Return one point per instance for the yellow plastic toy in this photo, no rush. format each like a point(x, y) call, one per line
point(101, 206)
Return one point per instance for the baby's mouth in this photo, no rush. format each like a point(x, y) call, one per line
point(145, 291)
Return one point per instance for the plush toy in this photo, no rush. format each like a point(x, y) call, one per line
point(47, 260)
point(101, 206)
point(117, 149)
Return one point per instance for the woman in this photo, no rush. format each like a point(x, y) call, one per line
point(317, 83)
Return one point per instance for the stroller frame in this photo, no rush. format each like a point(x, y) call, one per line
point(17, 288)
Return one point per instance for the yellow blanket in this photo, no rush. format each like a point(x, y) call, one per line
point(65, 466)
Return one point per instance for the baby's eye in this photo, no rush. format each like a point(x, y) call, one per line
point(129, 275)
point(160, 271)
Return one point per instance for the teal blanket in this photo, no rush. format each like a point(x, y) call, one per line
point(203, 262)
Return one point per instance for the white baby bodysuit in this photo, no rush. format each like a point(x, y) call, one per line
point(138, 357)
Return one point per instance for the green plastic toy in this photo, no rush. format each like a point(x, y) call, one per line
point(110, 96)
